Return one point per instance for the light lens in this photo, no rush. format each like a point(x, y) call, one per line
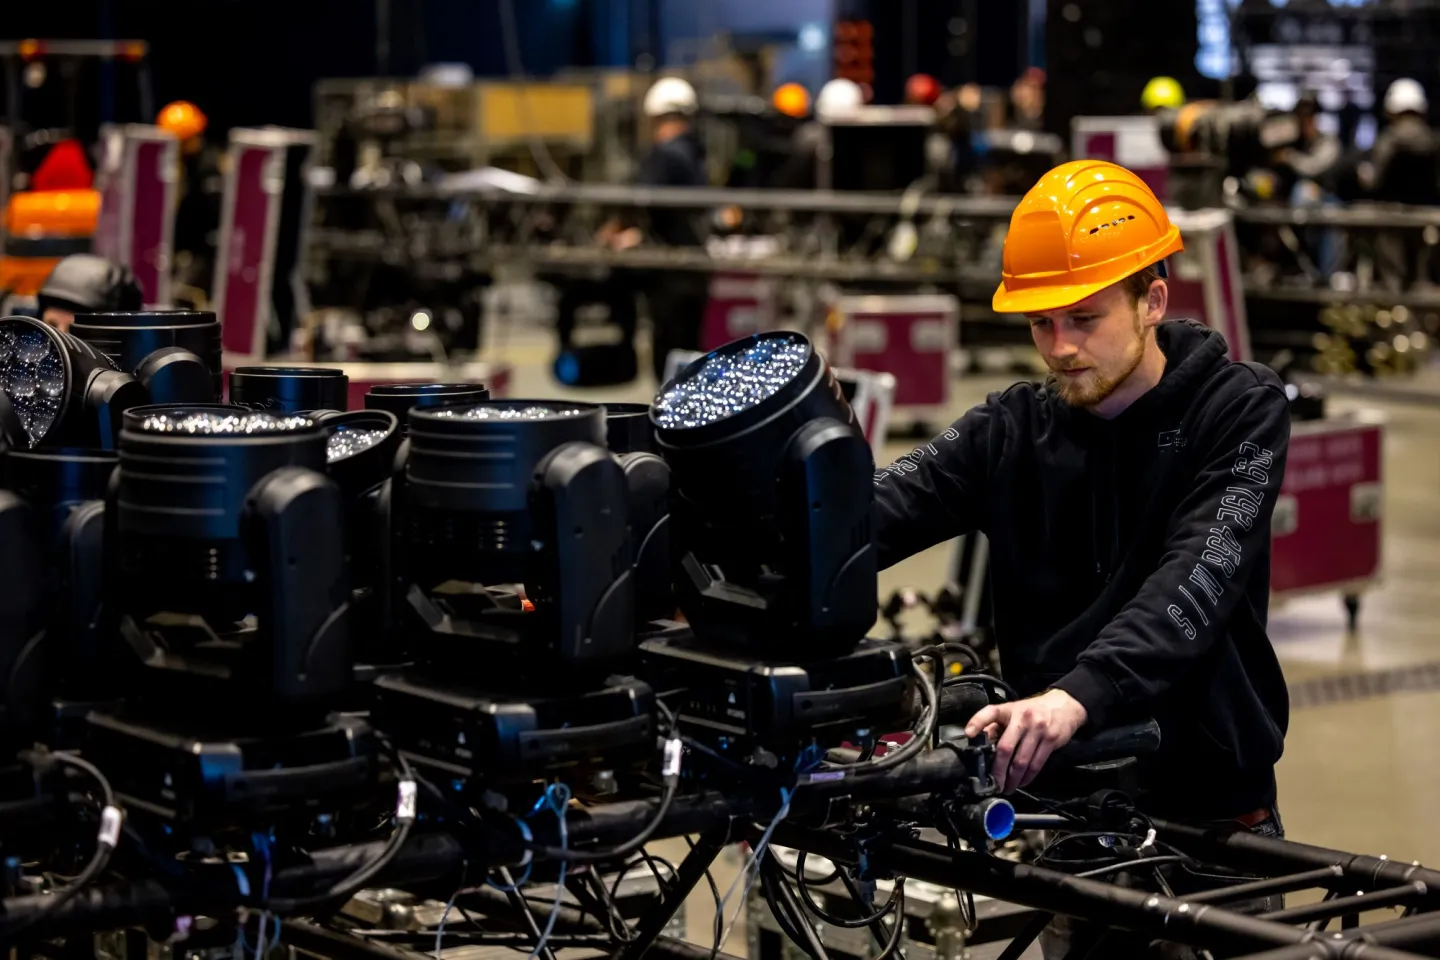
point(348, 441)
point(217, 424)
point(506, 413)
point(729, 383)
point(33, 375)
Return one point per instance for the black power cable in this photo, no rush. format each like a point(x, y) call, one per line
point(344, 889)
point(815, 908)
point(111, 820)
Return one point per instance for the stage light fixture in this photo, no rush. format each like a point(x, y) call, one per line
point(175, 354)
point(772, 561)
point(771, 499)
point(232, 599)
point(401, 398)
point(290, 389)
point(70, 667)
point(63, 391)
point(512, 561)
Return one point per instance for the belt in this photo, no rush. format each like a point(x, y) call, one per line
point(1254, 818)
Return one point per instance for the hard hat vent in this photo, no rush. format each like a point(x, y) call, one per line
point(1113, 223)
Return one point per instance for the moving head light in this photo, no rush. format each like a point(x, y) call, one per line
point(232, 597)
point(509, 492)
point(69, 667)
point(774, 567)
point(771, 499)
point(512, 562)
point(63, 391)
point(175, 354)
point(289, 389)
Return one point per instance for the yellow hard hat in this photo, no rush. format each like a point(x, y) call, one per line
point(1086, 225)
point(182, 120)
point(1162, 92)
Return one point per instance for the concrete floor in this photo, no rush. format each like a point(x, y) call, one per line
point(1362, 775)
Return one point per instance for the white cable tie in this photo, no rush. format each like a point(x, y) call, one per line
point(671, 765)
point(405, 806)
point(1149, 843)
point(110, 820)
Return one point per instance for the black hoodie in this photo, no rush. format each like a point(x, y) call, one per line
point(1129, 558)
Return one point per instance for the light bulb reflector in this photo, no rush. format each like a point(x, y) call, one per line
point(348, 441)
point(728, 383)
point(32, 374)
point(482, 412)
point(216, 424)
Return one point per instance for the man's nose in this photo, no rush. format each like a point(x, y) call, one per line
point(1064, 343)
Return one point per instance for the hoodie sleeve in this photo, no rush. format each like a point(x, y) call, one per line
point(1210, 548)
point(936, 491)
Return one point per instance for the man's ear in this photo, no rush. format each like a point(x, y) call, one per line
point(1156, 300)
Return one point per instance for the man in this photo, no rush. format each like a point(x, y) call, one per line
point(1127, 501)
point(677, 298)
point(1405, 169)
point(85, 283)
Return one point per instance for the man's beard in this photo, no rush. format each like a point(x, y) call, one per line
point(1091, 388)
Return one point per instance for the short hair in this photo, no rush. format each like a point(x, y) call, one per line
point(1137, 285)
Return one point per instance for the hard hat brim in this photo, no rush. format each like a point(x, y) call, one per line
point(1041, 297)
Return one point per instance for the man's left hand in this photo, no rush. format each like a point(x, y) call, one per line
point(1033, 729)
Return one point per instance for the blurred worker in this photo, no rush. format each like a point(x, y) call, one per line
point(1127, 501)
point(1310, 163)
point(839, 97)
point(922, 90)
point(1027, 100)
point(1404, 168)
point(197, 216)
point(677, 298)
point(1162, 93)
point(85, 283)
point(1405, 157)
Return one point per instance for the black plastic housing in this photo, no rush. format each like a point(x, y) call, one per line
point(210, 529)
point(647, 478)
point(737, 701)
point(176, 354)
point(401, 398)
point(770, 517)
point(465, 729)
point(290, 389)
point(628, 428)
point(496, 502)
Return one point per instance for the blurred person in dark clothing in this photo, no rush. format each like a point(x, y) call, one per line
point(1313, 157)
point(1405, 168)
point(677, 298)
point(197, 216)
point(1405, 158)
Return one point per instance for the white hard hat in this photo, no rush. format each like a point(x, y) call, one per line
point(1406, 96)
point(838, 97)
point(670, 95)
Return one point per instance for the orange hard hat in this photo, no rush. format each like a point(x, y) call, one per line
point(792, 99)
point(922, 89)
point(182, 120)
point(1085, 225)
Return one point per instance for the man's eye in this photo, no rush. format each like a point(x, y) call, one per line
point(1039, 322)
